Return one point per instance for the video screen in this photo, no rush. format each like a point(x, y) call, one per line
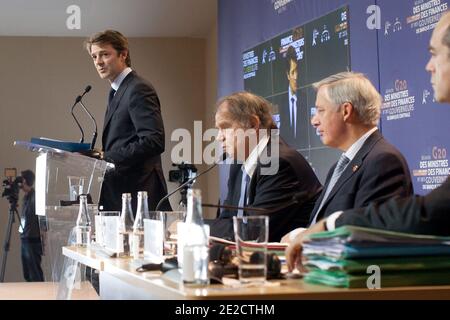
point(283, 69)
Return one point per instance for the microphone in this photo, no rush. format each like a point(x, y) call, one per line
point(167, 265)
point(86, 90)
point(79, 99)
point(224, 157)
point(223, 206)
point(298, 197)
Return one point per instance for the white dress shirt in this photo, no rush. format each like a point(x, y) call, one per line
point(119, 79)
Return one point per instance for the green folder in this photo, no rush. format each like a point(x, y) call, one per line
point(351, 234)
point(360, 266)
point(341, 258)
point(393, 279)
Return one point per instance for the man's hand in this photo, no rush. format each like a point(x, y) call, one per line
point(294, 251)
point(286, 238)
point(97, 154)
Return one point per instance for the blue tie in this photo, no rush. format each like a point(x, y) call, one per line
point(340, 167)
point(243, 198)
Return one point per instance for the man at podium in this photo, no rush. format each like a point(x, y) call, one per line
point(133, 130)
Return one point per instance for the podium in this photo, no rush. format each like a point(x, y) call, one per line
point(60, 177)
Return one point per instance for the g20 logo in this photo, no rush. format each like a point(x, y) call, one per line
point(439, 153)
point(400, 85)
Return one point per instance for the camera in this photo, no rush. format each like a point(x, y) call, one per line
point(12, 185)
point(184, 172)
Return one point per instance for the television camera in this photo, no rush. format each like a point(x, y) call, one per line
point(12, 185)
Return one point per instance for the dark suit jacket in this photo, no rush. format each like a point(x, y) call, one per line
point(301, 140)
point(133, 139)
point(422, 215)
point(272, 192)
point(377, 173)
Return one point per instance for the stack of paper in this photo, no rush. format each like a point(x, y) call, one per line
point(351, 256)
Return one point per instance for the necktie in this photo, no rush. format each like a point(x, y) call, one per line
point(112, 92)
point(340, 167)
point(293, 122)
point(243, 198)
point(292, 111)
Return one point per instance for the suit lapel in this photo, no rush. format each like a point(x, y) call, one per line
point(354, 165)
point(115, 101)
point(322, 194)
point(234, 190)
point(251, 188)
point(257, 175)
point(235, 179)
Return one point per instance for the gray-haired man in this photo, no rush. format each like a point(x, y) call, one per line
point(423, 215)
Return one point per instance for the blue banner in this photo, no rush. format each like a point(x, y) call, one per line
point(388, 42)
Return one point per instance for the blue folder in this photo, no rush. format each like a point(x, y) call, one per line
point(62, 145)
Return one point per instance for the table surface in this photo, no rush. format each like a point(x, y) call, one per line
point(168, 285)
point(43, 291)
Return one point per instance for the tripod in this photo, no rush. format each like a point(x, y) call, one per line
point(6, 242)
point(183, 193)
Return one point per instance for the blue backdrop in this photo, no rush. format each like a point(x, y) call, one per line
point(393, 56)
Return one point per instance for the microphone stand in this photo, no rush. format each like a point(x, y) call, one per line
point(79, 126)
point(298, 197)
point(182, 186)
point(94, 136)
point(224, 156)
point(223, 206)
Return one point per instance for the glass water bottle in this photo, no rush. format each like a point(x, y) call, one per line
point(126, 225)
point(137, 251)
point(195, 251)
point(83, 224)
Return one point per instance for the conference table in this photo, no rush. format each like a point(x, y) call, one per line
point(119, 279)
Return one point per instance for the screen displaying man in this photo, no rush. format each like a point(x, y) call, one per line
point(133, 130)
point(292, 74)
point(292, 105)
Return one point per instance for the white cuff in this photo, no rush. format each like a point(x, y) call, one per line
point(294, 233)
point(330, 222)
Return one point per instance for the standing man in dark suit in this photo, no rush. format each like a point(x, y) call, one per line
point(414, 214)
point(267, 173)
point(370, 169)
point(133, 130)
